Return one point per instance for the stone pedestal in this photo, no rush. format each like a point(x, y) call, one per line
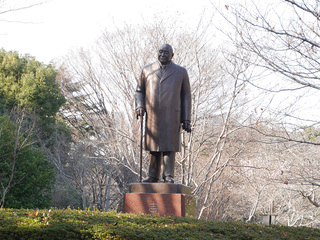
point(165, 199)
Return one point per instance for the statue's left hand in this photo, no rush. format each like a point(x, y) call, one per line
point(140, 112)
point(186, 126)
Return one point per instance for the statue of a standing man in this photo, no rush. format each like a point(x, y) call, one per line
point(163, 92)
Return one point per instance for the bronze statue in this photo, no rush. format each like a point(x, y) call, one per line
point(163, 92)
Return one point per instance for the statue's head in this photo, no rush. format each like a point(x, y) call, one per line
point(165, 54)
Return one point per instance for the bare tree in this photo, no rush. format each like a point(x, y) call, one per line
point(282, 39)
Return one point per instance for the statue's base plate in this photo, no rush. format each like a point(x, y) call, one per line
point(159, 188)
point(164, 199)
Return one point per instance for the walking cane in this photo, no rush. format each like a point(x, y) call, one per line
point(141, 139)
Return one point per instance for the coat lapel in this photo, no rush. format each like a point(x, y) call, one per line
point(156, 69)
point(171, 70)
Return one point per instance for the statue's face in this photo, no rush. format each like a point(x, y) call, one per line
point(165, 54)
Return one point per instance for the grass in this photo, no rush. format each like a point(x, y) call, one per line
point(79, 224)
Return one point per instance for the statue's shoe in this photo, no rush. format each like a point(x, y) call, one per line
point(168, 179)
point(150, 179)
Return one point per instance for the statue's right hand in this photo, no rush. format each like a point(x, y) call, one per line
point(140, 112)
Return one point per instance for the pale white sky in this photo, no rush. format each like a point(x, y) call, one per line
point(52, 29)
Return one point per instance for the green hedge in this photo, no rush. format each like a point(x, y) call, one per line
point(78, 224)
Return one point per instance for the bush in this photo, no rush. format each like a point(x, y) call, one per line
point(79, 224)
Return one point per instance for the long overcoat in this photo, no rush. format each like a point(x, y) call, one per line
point(166, 97)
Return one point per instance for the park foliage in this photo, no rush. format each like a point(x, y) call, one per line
point(29, 101)
point(27, 83)
point(91, 224)
point(23, 169)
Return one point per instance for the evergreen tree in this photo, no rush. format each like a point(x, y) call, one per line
point(27, 83)
point(26, 178)
point(30, 99)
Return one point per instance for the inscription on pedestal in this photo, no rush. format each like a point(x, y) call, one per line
point(153, 207)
